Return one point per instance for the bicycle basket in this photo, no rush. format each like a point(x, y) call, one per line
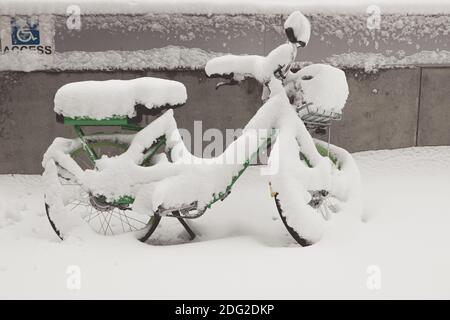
point(322, 91)
point(315, 117)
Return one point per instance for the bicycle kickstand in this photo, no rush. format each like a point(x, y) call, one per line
point(184, 224)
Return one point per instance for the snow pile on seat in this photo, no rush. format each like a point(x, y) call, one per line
point(323, 86)
point(112, 98)
point(253, 66)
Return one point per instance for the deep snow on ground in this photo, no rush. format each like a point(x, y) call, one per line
point(243, 250)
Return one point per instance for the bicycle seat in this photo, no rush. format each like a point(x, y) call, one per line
point(117, 98)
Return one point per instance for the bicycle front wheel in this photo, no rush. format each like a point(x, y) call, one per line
point(306, 207)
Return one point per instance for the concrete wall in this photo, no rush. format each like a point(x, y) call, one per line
point(388, 109)
point(434, 108)
point(255, 33)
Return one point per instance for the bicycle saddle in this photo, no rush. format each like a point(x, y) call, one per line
point(117, 98)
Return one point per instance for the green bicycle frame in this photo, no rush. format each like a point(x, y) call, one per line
point(93, 156)
point(123, 123)
point(223, 195)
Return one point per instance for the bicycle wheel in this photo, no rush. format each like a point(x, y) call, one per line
point(305, 210)
point(103, 217)
point(321, 205)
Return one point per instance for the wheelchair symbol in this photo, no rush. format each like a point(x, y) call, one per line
point(25, 34)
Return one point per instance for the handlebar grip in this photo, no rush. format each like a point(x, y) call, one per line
point(231, 82)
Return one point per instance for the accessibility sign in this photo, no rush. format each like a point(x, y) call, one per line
point(27, 33)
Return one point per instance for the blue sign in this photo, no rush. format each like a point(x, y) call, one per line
point(25, 32)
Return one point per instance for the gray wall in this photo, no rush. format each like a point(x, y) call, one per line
point(332, 34)
point(391, 108)
point(388, 109)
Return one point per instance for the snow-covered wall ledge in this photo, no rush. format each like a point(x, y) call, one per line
point(184, 34)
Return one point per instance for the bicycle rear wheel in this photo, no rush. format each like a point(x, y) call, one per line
point(102, 216)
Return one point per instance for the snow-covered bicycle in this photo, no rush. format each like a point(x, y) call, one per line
point(118, 182)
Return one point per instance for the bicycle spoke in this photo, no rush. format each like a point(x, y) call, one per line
point(101, 215)
point(137, 220)
point(131, 226)
point(93, 216)
point(128, 221)
point(326, 215)
point(121, 221)
point(109, 220)
point(78, 204)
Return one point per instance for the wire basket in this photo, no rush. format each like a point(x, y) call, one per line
point(316, 118)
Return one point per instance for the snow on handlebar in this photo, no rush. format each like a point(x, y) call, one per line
point(238, 68)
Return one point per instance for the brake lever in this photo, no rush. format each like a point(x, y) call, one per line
point(281, 72)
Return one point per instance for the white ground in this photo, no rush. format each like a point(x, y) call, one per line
point(244, 250)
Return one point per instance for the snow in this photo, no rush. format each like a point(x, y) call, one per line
point(166, 58)
point(178, 58)
point(121, 175)
point(253, 66)
point(323, 86)
point(371, 62)
point(294, 179)
point(243, 250)
point(261, 68)
point(300, 26)
point(11, 7)
point(243, 66)
point(110, 98)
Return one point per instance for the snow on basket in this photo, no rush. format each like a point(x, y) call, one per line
point(323, 87)
point(117, 98)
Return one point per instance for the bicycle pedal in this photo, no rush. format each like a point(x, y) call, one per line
point(273, 194)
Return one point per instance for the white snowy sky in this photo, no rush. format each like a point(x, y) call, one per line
point(221, 6)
